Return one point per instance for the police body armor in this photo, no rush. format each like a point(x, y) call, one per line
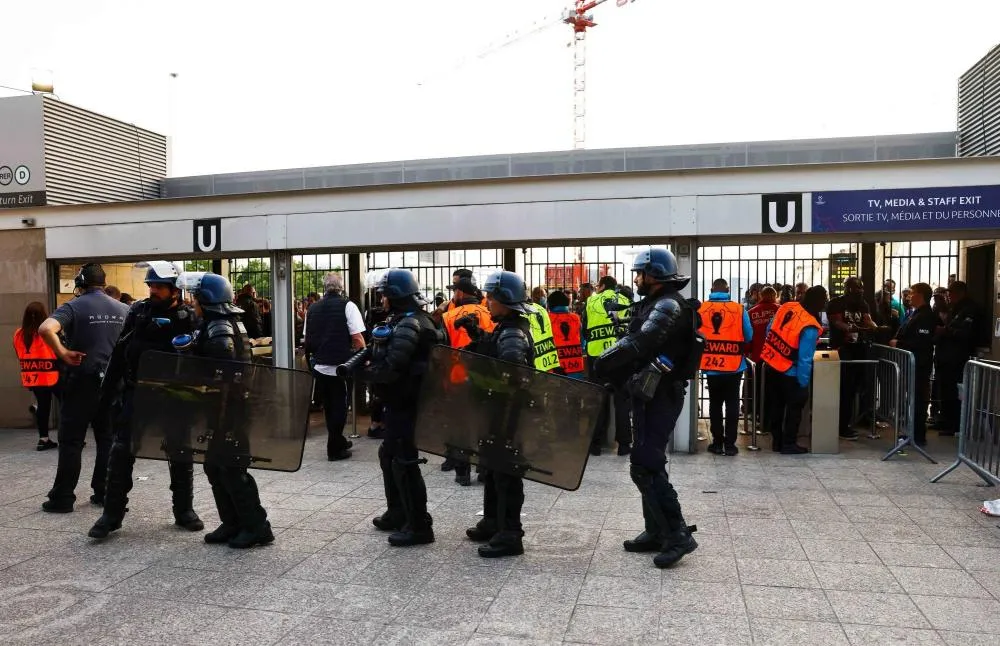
point(153, 328)
point(404, 341)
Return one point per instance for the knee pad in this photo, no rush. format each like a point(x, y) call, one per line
point(641, 476)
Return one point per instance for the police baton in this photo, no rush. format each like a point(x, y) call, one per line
point(345, 369)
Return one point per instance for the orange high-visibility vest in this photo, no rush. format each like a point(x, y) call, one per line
point(781, 345)
point(452, 306)
point(722, 327)
point(459, 338)
point(566, 334)
point(38, 363)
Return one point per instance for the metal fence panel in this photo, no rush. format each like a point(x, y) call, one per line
point(901, 396)
point(979, 427)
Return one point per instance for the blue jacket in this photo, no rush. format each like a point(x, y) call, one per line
point(723, 297)
point(803, 366)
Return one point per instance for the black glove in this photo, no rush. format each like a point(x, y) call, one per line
point(469, 322)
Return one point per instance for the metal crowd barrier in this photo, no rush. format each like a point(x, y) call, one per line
point(979, 425)
point(896, 396)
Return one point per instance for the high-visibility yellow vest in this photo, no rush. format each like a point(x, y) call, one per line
point(600, 327)
point(546, 354)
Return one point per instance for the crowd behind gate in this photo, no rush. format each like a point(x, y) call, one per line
point(643, 346)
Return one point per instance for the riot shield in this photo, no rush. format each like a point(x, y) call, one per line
point(509, 418)
point(221, 412)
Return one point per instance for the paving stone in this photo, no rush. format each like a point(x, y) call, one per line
point(876, 609)
point(939, 582)
point(782, 632)
point(692, 628)
point(620, 592)
point(527, 618)
point(775, 572)
point(860, 635)
point(602, 625)
point(787, 603)
point(958, 614)
point(857, 577)
point(838, 551)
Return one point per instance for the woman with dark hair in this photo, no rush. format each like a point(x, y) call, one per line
point(39, 369)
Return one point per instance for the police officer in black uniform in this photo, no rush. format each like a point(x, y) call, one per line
point(917, 336)
point(400, 352)
point(151, 324)
point(508, 300)
point(655, 360)
point(222, 336)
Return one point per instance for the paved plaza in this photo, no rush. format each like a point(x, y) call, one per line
point(793, 550)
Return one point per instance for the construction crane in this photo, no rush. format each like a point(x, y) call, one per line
point(581, 20)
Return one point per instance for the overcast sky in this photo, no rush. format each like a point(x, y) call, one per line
point(266, 85)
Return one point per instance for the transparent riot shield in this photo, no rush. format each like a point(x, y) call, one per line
point(509, 418)
point(221, 412)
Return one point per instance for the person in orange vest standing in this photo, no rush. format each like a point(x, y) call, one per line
point(788, 352)
point(467, 300)
point(566, 333)
point(726, 328)
point(761, 316)
point(39, 369)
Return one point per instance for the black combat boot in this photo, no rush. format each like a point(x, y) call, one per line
point(104, 526)
point(394, 518)
point(230, 526)
point(182, 487)
point(678, 544)
point(503, 543)
point(483, 531)
point(463, 473)
point(413, 493)
point(651, 538)
point(254, 528)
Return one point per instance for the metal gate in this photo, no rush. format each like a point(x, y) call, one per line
point(308, 272)
point(433, 269)
point(930, 262)
point(742, 266)
point(569, 267)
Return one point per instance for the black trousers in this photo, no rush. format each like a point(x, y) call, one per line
point(623, 420)
point(121, 461)
point(43, 413)
point(948, 376)
point(724, 392)
point(921, 402)
point(503, 497)
point(654, 424)
point(785, 401)
point(853, 381)
point(77, 411)
point(405, 490)
point(236, 496)
point(332, 392)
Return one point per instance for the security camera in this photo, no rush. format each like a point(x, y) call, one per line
point(28, 222)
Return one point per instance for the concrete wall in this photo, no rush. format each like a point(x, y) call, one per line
point(23, 279)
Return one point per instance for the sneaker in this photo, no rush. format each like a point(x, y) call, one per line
point(340, 455)
point(731, 449)
point(715, 448)
point(624, 449)
point(54, 507)
point(376, 433)
point(850, 435)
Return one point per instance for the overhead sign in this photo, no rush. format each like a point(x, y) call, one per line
point(906, 209)
point(22, 152)
point(781, 213)
point(207, 235)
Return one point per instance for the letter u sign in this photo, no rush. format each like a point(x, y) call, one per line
point(781, 213)
point(207, 235)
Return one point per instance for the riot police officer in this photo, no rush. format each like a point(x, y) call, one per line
point(655, 360)
point(222, 336)
point(151, 324)
point(400, 351)
point(507, 299)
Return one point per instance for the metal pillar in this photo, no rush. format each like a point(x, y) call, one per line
point(685, 437)
point(510, 261)
point(354, 276)
point(283, 344)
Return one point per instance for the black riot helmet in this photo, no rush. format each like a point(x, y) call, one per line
point(400, 287)
point(509, 289)
point(660, 265)
point(213, 292)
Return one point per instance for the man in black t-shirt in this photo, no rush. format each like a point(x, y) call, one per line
point(850, 322)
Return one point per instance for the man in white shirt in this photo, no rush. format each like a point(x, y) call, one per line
point(334, 330)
